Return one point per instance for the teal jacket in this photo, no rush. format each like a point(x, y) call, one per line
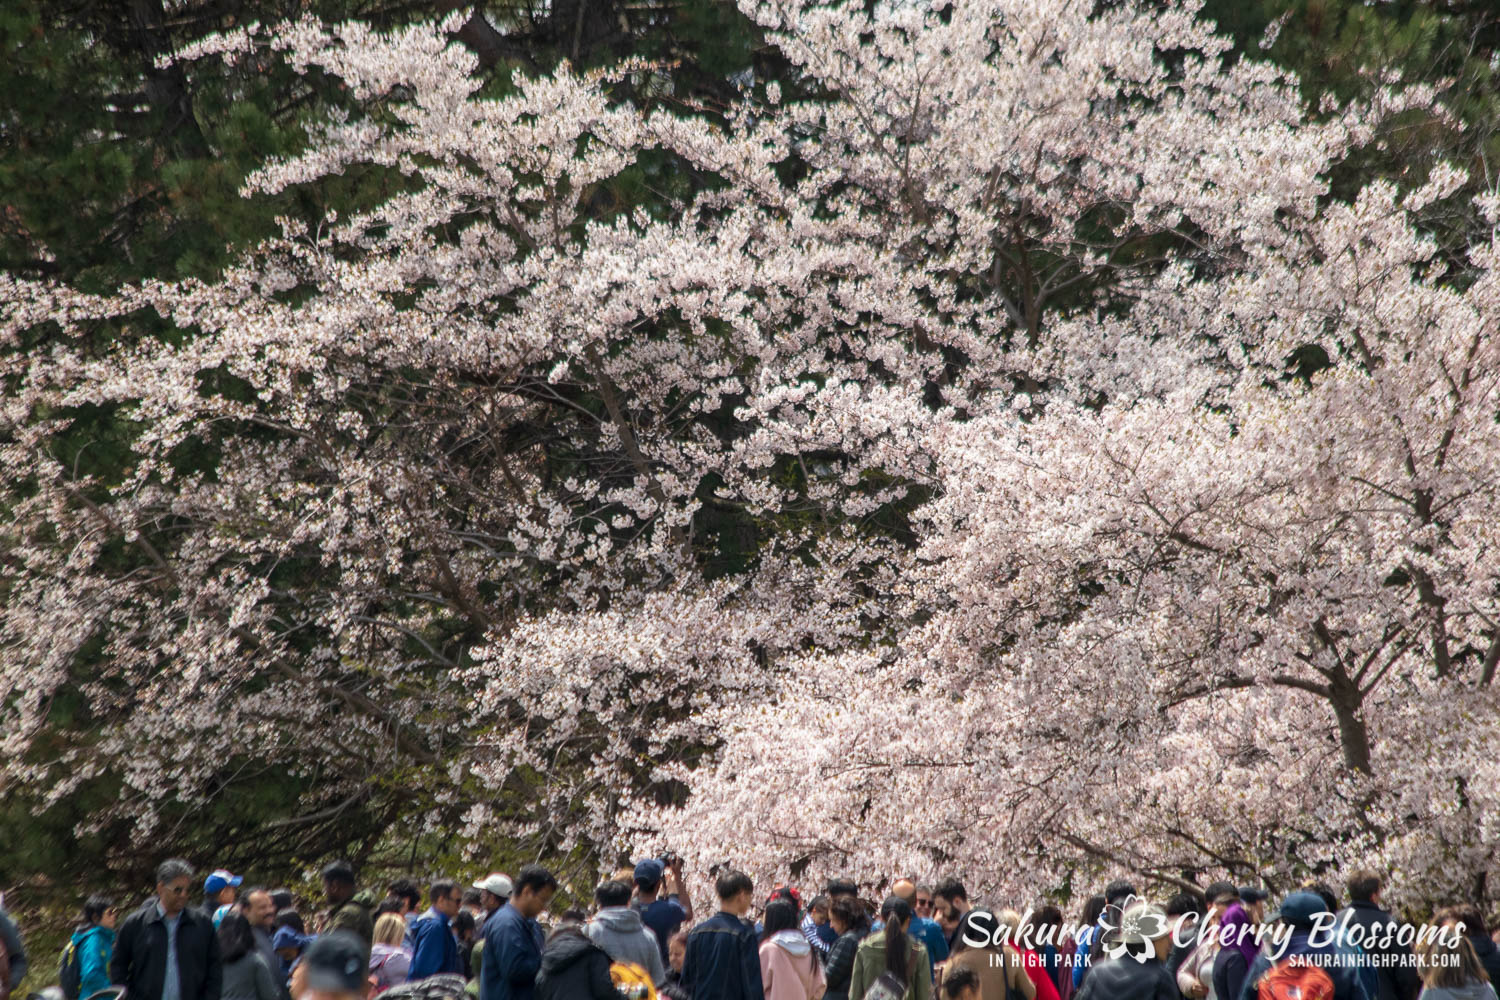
point(93, 945)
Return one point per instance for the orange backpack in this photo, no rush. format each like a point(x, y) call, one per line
point(1295, 979)
point(633, 982)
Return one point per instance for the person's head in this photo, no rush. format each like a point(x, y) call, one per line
point(1117, 892)
point(818, 909)
point(220, 888)
point(390, 904)
point(735, 891)
point(896, 912)
point(1146, 929)
point(1183, 909)
point(961, 983)
point(390, 929)
point(288, 943)
point(845, 914)
point(1448, 961)
point(950, 900)
point(906, 889)
point(335, 967)
point(1010, 920)
point(1184, 904)
point(535, 886)
point(100, 910)
point(1045, 926)
point(1464, 913)
point(256, 905)
point(290, 918)
point(842, 887)
point(1300, 910)
point(1217, 889)
point(788, 894)
point(1324, 892)
point(1364, 887)
point(677, 951)
point(464, 925)
point(235, 937)
point(612, 893)
point(977, 928)
point(1253, 899)
point(471, 901)
point(282, 898)
point(174, 879)
point(921, 903)
point(647, 876)
point(494, 889)
point(443, 896)
point(338, 882)
point(781, 915)
point(1093, 907)
point(405, 890)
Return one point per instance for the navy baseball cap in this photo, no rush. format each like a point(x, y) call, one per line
point(1299, 909)
point(649, 871)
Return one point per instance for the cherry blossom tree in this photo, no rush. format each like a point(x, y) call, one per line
point(920, 483)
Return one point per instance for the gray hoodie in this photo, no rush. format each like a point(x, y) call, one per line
point(1468, 991)
point(619, 931)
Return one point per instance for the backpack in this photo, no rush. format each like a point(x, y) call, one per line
point(887, 987)
point(70, 972)
point(633, 982)
point(1295, 980)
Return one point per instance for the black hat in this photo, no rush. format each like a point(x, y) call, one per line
point(1253, 894)
point(337, 963)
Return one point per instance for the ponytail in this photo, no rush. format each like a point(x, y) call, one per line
point(896, 912)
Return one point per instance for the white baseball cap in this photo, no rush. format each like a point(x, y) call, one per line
point(496, 883)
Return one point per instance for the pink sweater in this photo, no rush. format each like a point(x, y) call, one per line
point(788, 968)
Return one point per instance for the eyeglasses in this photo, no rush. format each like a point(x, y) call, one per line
point(924, 902)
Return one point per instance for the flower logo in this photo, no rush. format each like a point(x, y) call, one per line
point(1130, 927)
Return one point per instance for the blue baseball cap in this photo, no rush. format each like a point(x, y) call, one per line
point(287, 937)
point(218, 880)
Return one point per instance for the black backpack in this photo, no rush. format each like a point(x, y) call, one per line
point(70, 973)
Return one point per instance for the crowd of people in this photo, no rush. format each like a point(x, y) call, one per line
point(497, 940)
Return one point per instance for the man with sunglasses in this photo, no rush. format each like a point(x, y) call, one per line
point(168, 950)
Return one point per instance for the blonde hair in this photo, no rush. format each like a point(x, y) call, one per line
point(390, 929)
point(1444, 964)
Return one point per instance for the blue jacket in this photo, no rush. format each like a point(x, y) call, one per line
point(434, 948)
point(93, 945)
point(1348, 983)
point(1081, 953)
point(512, 956)
point(723, 960)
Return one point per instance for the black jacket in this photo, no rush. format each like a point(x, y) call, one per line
point(840, 968)
point(574, 968)
point(1230, 970)
point(139, 962)
point(1397, 976)
point(1126, 978)
point(1489, 955)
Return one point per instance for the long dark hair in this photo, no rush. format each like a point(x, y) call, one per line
point(236, 940)
point(781, 915)
point(1092, 909)
point(896, 912)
